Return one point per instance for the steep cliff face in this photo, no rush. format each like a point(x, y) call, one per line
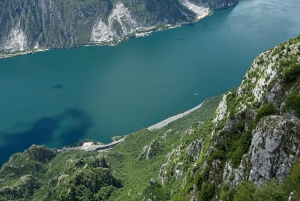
point(38, 24)
point(256, 127)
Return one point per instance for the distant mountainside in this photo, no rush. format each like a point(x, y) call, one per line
point(40, 24)
point(242, 146)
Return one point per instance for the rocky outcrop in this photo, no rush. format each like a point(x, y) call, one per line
point(149, 151)
point(194, 149)
point(120, 23)
point(200, 10)
point(41, 153)
point(221, 110)
point(165, 170)
point(274, 148)
point(16, 40)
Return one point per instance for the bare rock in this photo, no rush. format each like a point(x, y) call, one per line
point(273, 148)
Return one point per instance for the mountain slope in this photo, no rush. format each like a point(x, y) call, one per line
point(40, 24)
point(256, 131)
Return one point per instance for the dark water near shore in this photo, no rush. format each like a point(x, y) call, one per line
point(59, 97)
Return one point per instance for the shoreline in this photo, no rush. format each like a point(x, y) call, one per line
point(169, 120)
point(141, 32)
point(89, 146)
point(25, 52)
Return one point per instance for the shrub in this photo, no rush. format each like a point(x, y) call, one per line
point(256, 104)
point(201, 178)
point(219, 154)
point(155, 191)
point(291, 74)
point(292, 182)
point(285, 63)
point(245, 192)
point(207, 192)
point(231, 104)
point(292, 104)
point(104, 193)
point(269, 191)
point(239, 147)
point(261, 61)
point(226, 193)
point(268, 109)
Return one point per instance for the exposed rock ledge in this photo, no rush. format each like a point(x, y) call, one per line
point(274, 148)
point(200, 11)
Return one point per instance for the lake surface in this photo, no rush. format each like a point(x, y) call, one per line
point(59, 97)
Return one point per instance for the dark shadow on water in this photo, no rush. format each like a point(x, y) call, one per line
point(58, 86)
point(70, 127)
point(181, 39)
point(190, 24)
point(76, 129)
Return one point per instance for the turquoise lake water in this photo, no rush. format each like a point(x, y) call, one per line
point(59, 97)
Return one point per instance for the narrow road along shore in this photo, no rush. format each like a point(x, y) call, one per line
point(171, 119)
point(91, 147)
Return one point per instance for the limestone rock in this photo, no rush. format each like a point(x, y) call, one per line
point(194, 149)
point(274, 147)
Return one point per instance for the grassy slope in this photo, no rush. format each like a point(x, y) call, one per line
point(136, 173)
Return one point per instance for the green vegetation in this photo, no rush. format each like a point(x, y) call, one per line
point(155, 191)
point(292, 73)
point(268, 109)
point(44, 174)
point(245, 192)
point(231, 103)
point(116, 138)
point(226, 193)
point(239, 146)
point(261, 61)
point(289, 63)
point(135, 171)
point(271, 190)
point(292, 104)
point(294, 40)
point(207, 192)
